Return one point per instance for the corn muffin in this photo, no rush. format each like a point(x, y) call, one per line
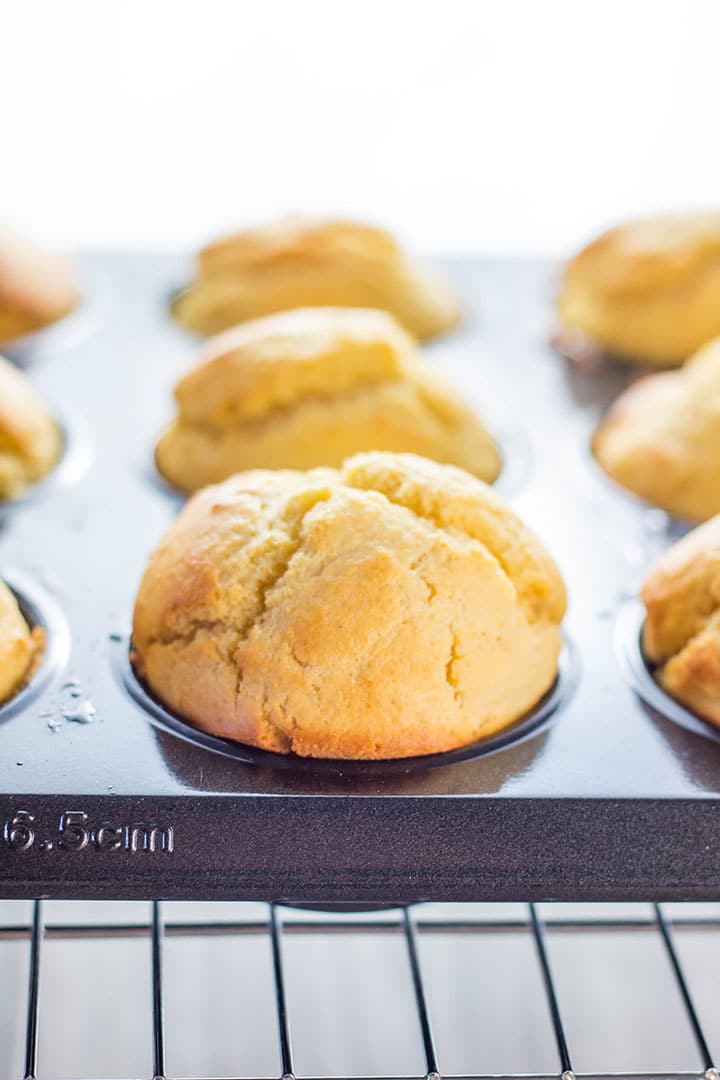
point(18, 646)
point(311, 387)
point(389, 608)
point(36, 287)
point(682, 627)
point(648, 290)
point(661, 439)
point(299, 263)
point(30, 440)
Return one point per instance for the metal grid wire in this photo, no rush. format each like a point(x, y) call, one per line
point(409, 925)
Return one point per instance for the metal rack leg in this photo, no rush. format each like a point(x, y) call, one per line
point(286, 1056)
point(552, 1000)
point(33, 1004)
point(431, 1063)
point(157, 990)
point(711, 1072)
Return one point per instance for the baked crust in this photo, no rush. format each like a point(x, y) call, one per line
point(36, 287)
point(18, 646)
point(390, 608)
point(682, 626)
point(648, 290)
point(312, 387)
point(30, 441)
point(303, 263)
point(661, 438)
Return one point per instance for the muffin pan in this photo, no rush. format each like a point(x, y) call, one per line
point(103, 795)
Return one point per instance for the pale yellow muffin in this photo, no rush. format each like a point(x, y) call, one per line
point(311, 387)
point(30, 441)
point(682, 627)
point(389, 608)
point(303, 263)
point(36, 287)
point(18, 646)
point(648, 290)
point(661, 439)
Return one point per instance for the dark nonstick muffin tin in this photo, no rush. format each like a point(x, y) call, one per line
point(602, 793)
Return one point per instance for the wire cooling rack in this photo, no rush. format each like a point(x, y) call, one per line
point(408, 925)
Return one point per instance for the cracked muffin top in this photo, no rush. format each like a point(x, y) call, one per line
point(306, 263)
point(661, 438)
point(30, 441)
point(389, 608)
point(682, 625)
point(36, 287)
point(312, 387)
point(648, 290)
point(18, 645)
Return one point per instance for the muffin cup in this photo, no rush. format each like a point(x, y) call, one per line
point(577, 348)
point(585, 353)
point(529, 724)
point(639, 673)
point(40, 612)
point(74, 462)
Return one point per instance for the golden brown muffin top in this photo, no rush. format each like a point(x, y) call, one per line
point(661, 438)
point(681, 633)
point(233, 533)
point(682, 592)
point(305, 263)
point(451, 499)
point(296, 238)
point(273, 362)
point(388, 608)
point(651, 253)
point(312, 387)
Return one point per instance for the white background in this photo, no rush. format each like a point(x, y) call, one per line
point(492, 126)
